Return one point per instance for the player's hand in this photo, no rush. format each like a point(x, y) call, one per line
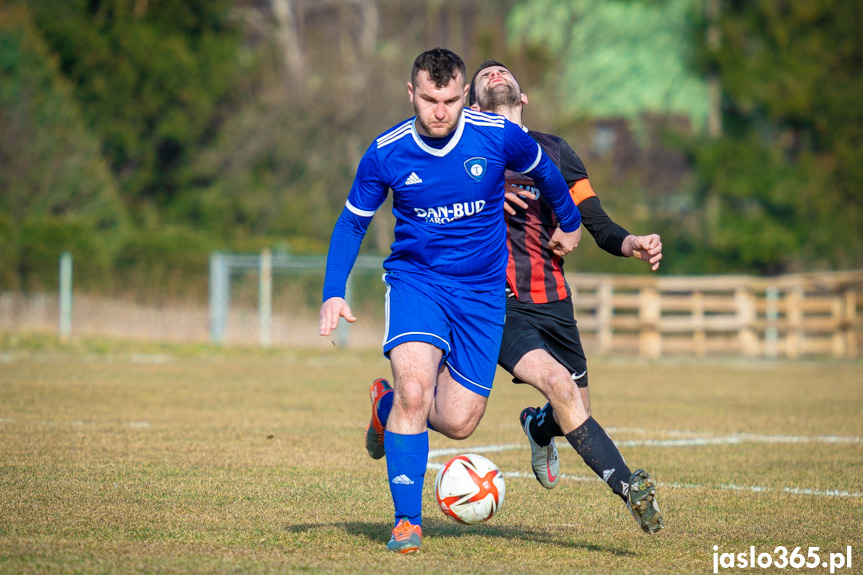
point(561, 242)
point(333, 309)
point(514, 196)
point(645, 248)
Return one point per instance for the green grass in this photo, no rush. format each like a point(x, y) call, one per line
point(117, 459)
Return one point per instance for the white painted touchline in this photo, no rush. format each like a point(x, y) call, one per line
point(686, 442)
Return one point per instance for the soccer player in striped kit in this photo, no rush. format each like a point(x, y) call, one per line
point(541, 344)
point(446, 274)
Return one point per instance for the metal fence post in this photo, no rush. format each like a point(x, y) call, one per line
point(65, 296)
point(219, 295)
point(265, 298)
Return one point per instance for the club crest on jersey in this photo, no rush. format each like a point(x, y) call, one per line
point(476, 168)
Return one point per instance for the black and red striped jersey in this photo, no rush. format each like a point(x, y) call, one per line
point(534, 273)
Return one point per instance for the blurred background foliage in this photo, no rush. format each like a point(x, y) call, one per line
point(142, 134)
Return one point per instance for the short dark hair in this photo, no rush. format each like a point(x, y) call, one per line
point(441, 64)
point(487, 64)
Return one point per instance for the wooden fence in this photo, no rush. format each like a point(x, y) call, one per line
point(787, 316)
point(792, 316)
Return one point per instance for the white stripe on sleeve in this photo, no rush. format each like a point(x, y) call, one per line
point(536, 161)
point(359, 212)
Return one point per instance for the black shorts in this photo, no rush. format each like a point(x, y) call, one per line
point(549, 326)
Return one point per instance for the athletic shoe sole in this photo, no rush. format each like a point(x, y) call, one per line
point(642, 502)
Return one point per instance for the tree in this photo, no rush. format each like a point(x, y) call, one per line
point(57, 191)
point(781, 190)
point(149, 78)
point(616, 57)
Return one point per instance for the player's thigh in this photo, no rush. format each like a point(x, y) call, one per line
point(455, 405)
point(476, 321)
point(549, 334)
point(520, 337)
point(540, 370)
point(414, 314)
point(415, 362)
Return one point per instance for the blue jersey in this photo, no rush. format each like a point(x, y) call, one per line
point(448, 202)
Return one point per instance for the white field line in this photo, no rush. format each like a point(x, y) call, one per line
point(685, 442)
point(736, 439)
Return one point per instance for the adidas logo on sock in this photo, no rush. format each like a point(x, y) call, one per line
point(606, 474)
point(413, 179)
point(402, 480)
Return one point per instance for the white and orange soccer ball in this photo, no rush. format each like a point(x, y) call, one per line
point(469, 489)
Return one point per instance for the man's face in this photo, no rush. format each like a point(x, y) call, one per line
point(437, 109)
point(495, 88)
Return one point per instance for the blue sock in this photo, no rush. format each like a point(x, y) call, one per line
point(407, 457)
point(385, 405)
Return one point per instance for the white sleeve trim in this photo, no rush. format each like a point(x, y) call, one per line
point(536, 161)
point(362, 213)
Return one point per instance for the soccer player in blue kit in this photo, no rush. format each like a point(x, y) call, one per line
point(445, 276)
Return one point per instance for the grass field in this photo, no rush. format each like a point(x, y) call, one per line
point(175, 460)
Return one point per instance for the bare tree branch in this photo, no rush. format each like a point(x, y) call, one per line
point(288, 35)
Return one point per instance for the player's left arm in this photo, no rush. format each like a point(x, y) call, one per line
point(645, 248)
point(366, 196)
point(608, 235)
point(612, 237)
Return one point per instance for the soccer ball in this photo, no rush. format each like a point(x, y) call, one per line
point(469, 489)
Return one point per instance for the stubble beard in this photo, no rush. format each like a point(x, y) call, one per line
point(436, 132)
point(500, 96)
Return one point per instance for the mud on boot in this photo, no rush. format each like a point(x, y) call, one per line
point(642, 502)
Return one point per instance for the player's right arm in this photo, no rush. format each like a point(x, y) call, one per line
point(561, 242)
point(367, 194)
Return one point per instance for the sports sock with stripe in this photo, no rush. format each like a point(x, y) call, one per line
point(601, 454)
point(407, 457)
point(543, 427)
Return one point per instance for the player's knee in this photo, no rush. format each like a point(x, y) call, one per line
point(562, 390)
point(411, 397)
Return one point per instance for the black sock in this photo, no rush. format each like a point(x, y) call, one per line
point(543, 427)
point(601, 454)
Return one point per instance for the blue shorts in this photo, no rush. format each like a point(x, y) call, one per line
point(466, 324)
